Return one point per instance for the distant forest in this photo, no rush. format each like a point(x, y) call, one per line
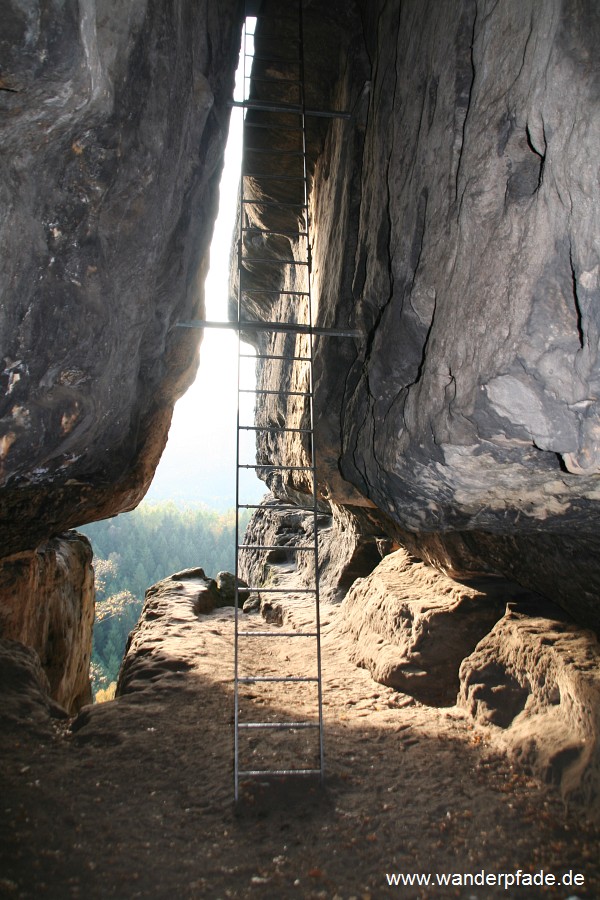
point(137, 549)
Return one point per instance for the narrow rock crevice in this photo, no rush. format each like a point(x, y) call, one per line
point(576, 301)
point(465, 113)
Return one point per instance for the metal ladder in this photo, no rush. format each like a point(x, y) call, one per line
point(287, 339)
point(277, 103)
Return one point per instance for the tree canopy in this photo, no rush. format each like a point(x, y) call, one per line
point(135, 550)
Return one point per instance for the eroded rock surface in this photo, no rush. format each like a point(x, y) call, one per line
point(348, 547)
point(47, 602)
point(113, 119)
point(511, 659)
point(26, 700)
point(535, 678)
point(113, 123)
point(412, 626)
point(177, 601)
point(471, 403)
point(454, 223)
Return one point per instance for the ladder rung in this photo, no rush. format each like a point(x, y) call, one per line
point(283, 508)
point(274, 177)
point(291, 109)
point(276, 429)
point(272, 590)
point(260, 773)
point(273, 356)
point(250, 291)
point(310, 547)
point(282, 393)
point(274, 203)
point(278, 725)
point(254, 230)
point(268, 679)
point(274, 261)
point(288, 109)
point(276, 467)
point(284, 634)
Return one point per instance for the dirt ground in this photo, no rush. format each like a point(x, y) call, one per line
point(135, 797)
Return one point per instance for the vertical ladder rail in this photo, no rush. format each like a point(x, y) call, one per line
point(311, 402)
point(236, 684)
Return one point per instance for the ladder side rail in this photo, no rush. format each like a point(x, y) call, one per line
point(307, 358)
point(236, 684)
point(311, 395)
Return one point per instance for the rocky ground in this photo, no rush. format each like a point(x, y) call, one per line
point(134, 798)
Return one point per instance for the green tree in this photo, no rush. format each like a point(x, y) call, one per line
point(133, 551)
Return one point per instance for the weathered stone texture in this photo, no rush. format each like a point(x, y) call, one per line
point(25, 690)
point(514, 661)
point(47, 603)
point(166, 639)
point(455, 225)
point(413, 626)
point(536, 679)
point(113, 121)
point(472, 400)
point(348, 548)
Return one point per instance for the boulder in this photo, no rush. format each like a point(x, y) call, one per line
point(411, 626)
point(47, 602)
point(226, 588)
point(535, 681)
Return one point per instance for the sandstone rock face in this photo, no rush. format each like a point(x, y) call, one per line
point(413, 626)
point(531, 674)
point(112, 129)
point(471, 403)
point(535, 679)
point(348, 548)
point(455, 224)
point(113, 119)
point(169, 616)
point(192, 594)
point(47, 603)
point(25, 688)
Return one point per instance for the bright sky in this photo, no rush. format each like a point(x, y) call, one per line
point(199, 461)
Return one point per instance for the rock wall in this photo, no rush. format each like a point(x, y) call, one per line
point(413, 626)
point(47, 603)
point(455, 225)
point(113, 119)
point(112, 131)
point(535, 680)
point(349, 548)
point(512, 661)
point(472, 400)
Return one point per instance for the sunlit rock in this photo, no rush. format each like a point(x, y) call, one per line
point(47, 603)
